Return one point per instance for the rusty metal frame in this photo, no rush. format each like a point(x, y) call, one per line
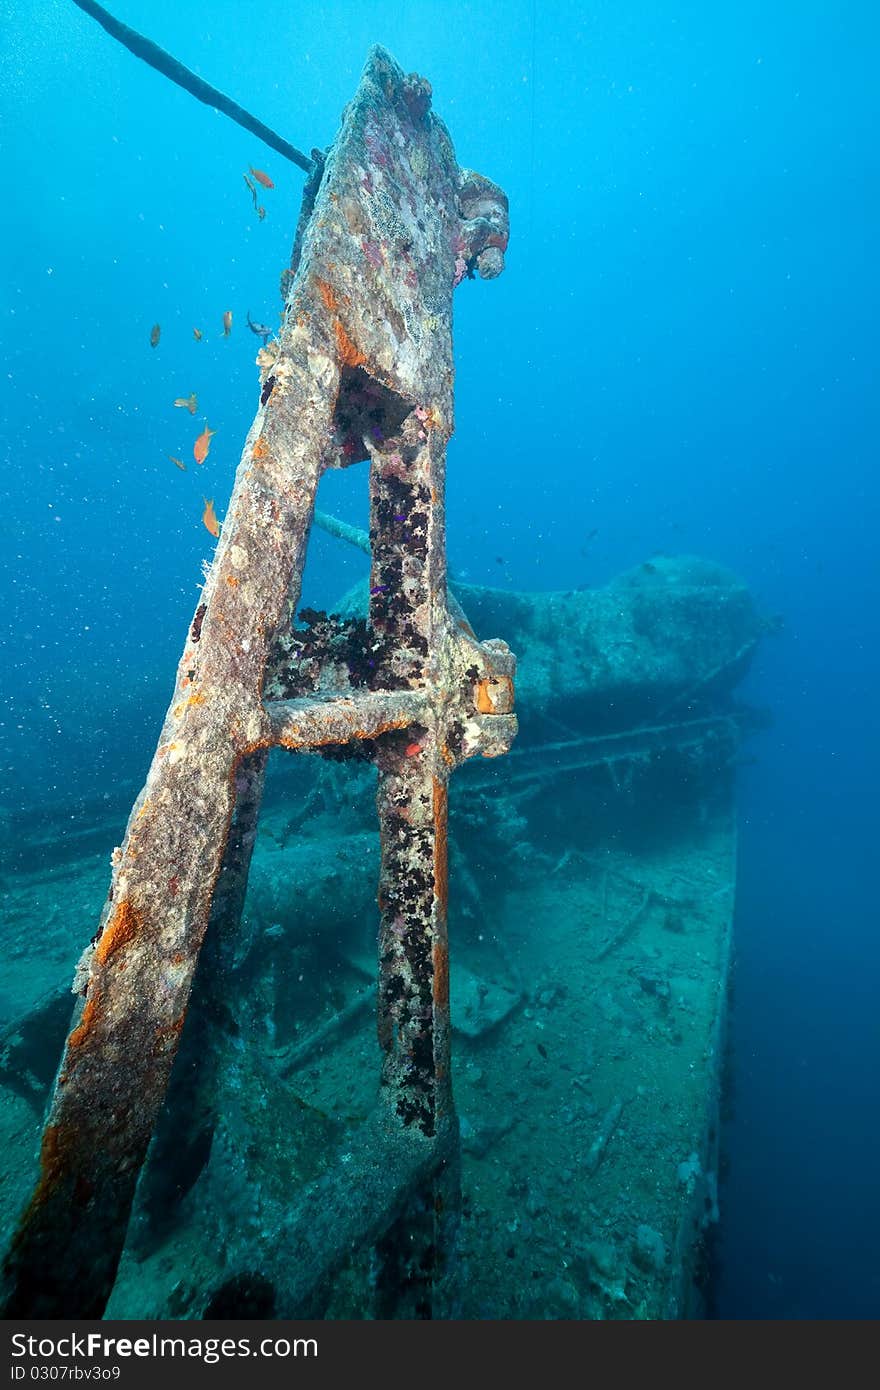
point(362, 368)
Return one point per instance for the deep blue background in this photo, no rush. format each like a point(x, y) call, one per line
point(682, 354)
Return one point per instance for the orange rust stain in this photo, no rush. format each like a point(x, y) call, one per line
point(329, 298)
point(196, 699)
point(54, 1150)
point(232, 581)
point(485, 703)
point(446, 755)
point(261, 448)
point(122, 928)
point(348, 353)
point(440, 958)
point(441, 867)
point(87, 1019)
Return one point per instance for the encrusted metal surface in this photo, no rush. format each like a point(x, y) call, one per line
point(362, 368)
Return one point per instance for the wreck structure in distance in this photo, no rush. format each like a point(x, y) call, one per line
point(362, 370)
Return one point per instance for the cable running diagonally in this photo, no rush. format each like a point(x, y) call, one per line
point(163, 62)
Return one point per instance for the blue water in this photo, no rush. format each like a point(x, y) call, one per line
point(680, 355)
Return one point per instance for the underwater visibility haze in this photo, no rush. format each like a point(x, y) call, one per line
point(661, 494)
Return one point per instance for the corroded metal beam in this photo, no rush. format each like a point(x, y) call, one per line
point(362, 368)
point(300, 724)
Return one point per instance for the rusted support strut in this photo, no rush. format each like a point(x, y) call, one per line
point(363, 368)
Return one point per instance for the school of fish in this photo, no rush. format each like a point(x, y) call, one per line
point(264, 181)
point(202, 445)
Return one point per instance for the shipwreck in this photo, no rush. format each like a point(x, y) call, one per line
point(256, 1110)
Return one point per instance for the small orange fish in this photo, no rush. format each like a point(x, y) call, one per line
point(188, 403)
point(178, 463)
point(261, 177)
point(209, 516)
point(197, 334)
point(412, 749)
point(155, 335)
point(227, 323)
point(202, 445)
point(261, 212)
